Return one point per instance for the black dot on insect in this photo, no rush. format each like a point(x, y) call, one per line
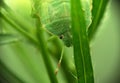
point(61, 36)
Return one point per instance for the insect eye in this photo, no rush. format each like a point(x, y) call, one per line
point(61, 36)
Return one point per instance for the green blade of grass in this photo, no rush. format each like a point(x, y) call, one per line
point(81, 44)
point(97, 14)
point(18, 23)
point(42, 42)
point(25, 25)
point(18, 28)
point(8, 38)
point(43, 48)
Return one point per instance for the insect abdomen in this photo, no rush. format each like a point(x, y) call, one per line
point(52, 10)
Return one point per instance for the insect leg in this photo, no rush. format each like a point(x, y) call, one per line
point(58, 65)
point(52, 38)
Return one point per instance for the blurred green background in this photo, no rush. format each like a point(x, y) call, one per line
point(105, 49)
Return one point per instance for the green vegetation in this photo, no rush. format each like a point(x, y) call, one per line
point(28, 54)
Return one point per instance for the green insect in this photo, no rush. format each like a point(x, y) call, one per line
point(55, 16)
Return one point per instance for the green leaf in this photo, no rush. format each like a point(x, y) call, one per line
point(8, 38)
point(81, 44)
point(98, 10)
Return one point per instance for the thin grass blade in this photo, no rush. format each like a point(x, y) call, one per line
point(42, 42)
point(81, 44)
point(98, 10)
